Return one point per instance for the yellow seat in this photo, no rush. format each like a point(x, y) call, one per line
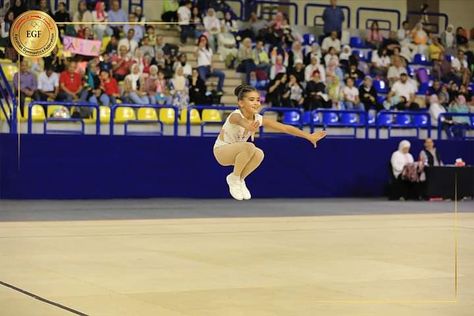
point(124, 114)
point(91, 120)
point(53, 108)
point(5, 61)
point(211, 115)
point(9, 70)
point(194, 117)
point(37, 113)
point(105, 42)
point(104, 113)
point(147, 114)
point(167, 115)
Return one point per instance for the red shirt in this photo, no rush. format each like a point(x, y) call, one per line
point(72, 82)
point(124, 68)
point(111, 87)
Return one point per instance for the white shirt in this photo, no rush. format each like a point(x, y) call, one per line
point(204, 57)
point(435, 110)
point(187, 69)
point(350, 93)
point(456, 64)
point(233, 133)
point(328, 58)
point(329, 42)
point(383, 61)
point(184, 15)
point(403, 89)
point(130, 44)
point(399, 160)
point(394, 72)
point(211, 22)
point(48, 84)
point(308, 72)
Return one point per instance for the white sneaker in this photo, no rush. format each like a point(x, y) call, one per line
point(235, 187)
point(245, 191)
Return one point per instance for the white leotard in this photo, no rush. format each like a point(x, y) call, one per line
point(233, 133)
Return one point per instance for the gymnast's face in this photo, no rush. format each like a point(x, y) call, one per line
point(250, 103)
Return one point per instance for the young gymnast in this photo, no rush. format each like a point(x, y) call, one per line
point(231, 147)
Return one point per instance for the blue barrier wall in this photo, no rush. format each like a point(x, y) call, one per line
point(71, 166)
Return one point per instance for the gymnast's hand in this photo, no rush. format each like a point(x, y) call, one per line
point(316, 136)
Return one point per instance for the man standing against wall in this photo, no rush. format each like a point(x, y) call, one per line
point(333, 18)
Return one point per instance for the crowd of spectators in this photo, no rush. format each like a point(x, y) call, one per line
point(136, 65)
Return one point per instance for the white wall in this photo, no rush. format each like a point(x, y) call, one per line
point(460, 12)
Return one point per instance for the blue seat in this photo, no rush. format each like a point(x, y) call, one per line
point(449, 58)
point(371, 117)
point(423, 88)
point(308, 39)
point(420, 120)
point(411, 70)
point(356, 42)
point(307, 118)
point(349, 118)
point(291, 118)
point(384, 119)
point(420, 59)
point(380, 99)
point(358, 53)
point(403, 119)
point(330, 118)
point(380, 86)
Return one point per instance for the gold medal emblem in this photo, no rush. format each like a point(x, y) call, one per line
point(34, 34)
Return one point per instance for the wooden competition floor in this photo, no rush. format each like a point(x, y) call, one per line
point(221, 257)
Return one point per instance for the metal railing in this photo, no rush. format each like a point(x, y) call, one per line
point(388, 119)
point(370, 9)
point(444, 116)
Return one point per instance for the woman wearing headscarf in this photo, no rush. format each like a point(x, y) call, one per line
point(100, 15)
point(374, 36)
point(461, 123)
point(448, 38)
point(82, 15)
point(134, 86)
point(179, 89)
point(399, 162)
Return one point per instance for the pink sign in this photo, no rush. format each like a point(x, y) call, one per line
point(81, 46)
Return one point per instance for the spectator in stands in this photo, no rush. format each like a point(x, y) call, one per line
point(333, 18)
point(316, 96)
point(256, 83)
point(315, 51)
point(448, 39)
point(56, 60)
point(420, 38)
point(312, 67)
point(184, 18)
point(334, 90)
point(146, 48)
point(391, 44)
point(435, 110)
point(62, 15)
point(435, 49)
point(460, 67)
point(354, 73)
point(48, 84)
point(344, 57)
point(276, 89)
point(298, 72)
point(132, 88)
point(331, 55)
point(402, 95)
point(380, 62)
point(5, 26)
point(212, 26)
point(183, 62)
point(92, 83)
point(112, 46)
point(139, 14)
point(146, 64)
point(71, 85)
point(461, 123)
point(261, 58)
point(110, 88)
point(404, 34)
point(331, 41)
point(82, 15)
point(151, 34)
point(395, 70)
point(28, 85)
point(44, 6)
point(463, 90)
point(17, 7)
point(228, 24)
point(121, 63)
point(99, 15)
point(461, 39)
point(138, 34)
point(401, 160)
point(170, 11)
point(138, 59)
point(288, 34)
point(374, 36)
point(129, 42)
point(333, 69)
point(245, 58)
point(179, 89)
point(429, 155)
point(197, 89)
point(204, 57)
point(350, 96)
point(296, 53)
point(117, 15)
point(277, 67)
point(227, 45)
point(293, 96)
point(257, 26)
point(196, 22)
point(368, 95)
point(159, 59)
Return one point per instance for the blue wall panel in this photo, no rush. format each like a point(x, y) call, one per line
point(65, 166)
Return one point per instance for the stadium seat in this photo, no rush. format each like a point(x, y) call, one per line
point(308, 39)
point(105, 42)
point(37, 113)
point(291, 118)
point(384, 119)
point(104, 114)
point(124, 114)
point(349, 118)
point(423, 75)
point(356, 42)
point(9, 70)
point(359, 54)
point(147, 114)
point(449, 58)
point(193, 116)
point(420, 59)
point(380, 86)
point(167, 115)
point(380, 99)
point(423, 88)
point(420, 120)
point(52, 108)
point(371, 117)
point(211, 115)
point(403, 119)
point(330, 118)
point(307, 118)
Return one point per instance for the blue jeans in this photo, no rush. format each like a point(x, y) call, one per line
point(136, 99)
point(347, 105)
point(205, 72)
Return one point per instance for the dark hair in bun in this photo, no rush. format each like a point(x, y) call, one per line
point(242, 90)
